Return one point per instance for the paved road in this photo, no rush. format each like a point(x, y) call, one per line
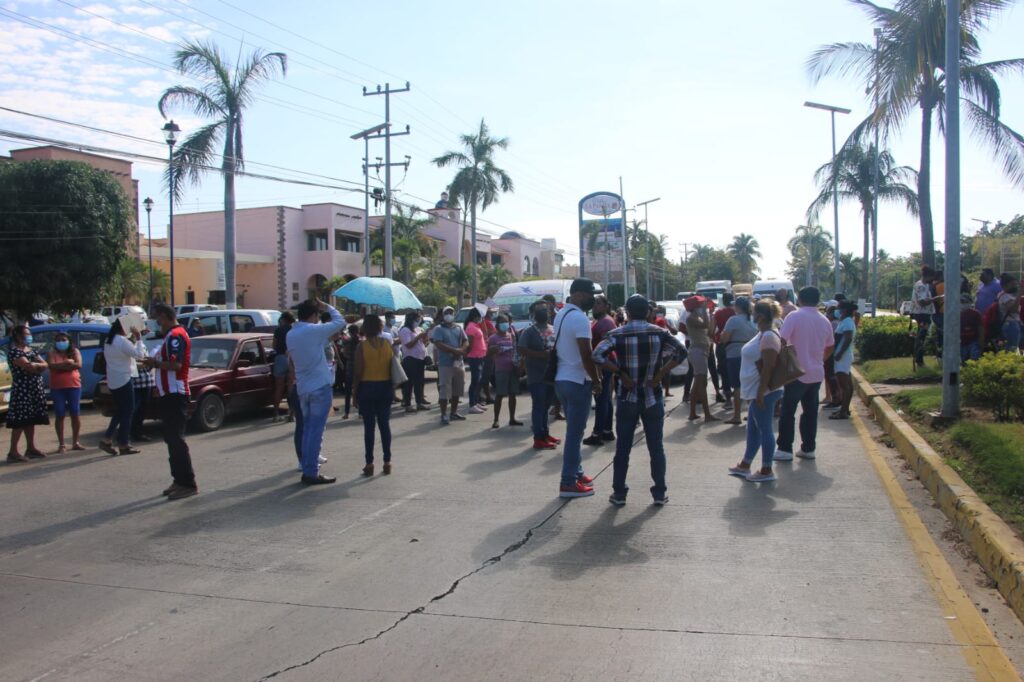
point(463, 565)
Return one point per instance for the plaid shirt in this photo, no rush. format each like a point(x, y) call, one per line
point(144, 380)
point(642, 349)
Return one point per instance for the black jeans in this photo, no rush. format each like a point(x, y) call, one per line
point(806, 395)
point(124, 406)
point(415, 370)
point(713, 371)
point(375, 408)
point(722, 365)
point(142, 396)
point(173, 415)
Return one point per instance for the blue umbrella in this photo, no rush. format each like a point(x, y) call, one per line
point(387, 293)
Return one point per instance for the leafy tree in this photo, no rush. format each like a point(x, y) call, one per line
point(492, 277)
point(853, 170)
point(811, 251)
point(408, 240)
point(850, 271)
point(745, 250)
point(70, 216)
point(911, 68)
point(459, 277)
point(227, 92)
point(131, 282)
point(478, 183)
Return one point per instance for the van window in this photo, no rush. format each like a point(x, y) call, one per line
point(107, 312)
point(90, 340)
point(212, 324)
point(242, 323)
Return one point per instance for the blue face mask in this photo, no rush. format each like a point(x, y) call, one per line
point(62, 345)
point(503, 326)
point(836, 314)
point(28, 339)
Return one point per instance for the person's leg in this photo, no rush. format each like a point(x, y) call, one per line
point(846, 384)
point(474, 380)
point(538, 411)
point(809, 416)
point(348, 387)
point(576, 403)
point(603, 406)
point(938, 320)
point(765, 421)
point(698, 394)
point(368, 410)
point(383, 410)
point(654, 429)
point(316, 405)
point(419, 380)
point(787, 417)
point(512, 409)
point(713, 371)
point(922, 334)
point(626, 418)
point(126, 406)
point(30, 438)
point(295, 409)
point(753, 435)
point(723, 368)
point(59, 410)
point(15, 439)
point(279, 391)
point(498, 400)
point(173, 415)
point(687, 383)
point(408, 365)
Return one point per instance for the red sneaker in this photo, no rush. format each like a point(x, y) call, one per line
point(543, 445)
point(575, 490)
point(553, 440)
point(585, 480)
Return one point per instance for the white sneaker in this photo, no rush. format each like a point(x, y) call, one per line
point(804, 455)
point(783, 456)
point(758, 477)
point(476, 409)
point(322, 459)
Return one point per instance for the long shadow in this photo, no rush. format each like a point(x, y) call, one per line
point(752, 510)
point(481, 469)
point(49, 466)
point(602, 544)
point(55, 531)
point(501, 537)
point(728, 436)
point(800, 480)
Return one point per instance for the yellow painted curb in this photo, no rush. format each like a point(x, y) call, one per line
point(999, 549)
point(980, 649)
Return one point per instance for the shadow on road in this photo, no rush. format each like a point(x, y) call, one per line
point(602, 544)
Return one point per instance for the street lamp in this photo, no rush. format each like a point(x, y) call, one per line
point(171, 131)
point(647, 229)
point(148, 203)
point(365, 137)
point(835, 189)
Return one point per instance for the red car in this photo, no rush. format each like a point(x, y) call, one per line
point(229, 373)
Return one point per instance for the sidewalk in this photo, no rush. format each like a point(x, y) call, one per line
point(464, 566)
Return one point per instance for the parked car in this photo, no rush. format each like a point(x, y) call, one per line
point(194, 308)
point(87, 338)
point(5, 382)
point(232, 321)
point(229, 373)
point(112, 312)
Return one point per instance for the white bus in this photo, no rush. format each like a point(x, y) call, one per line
point(514, 299)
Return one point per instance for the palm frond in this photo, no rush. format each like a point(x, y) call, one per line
point(204, 61)
point(194, 156)
point(1007, 144)
point(195, 99)
point(258, 66)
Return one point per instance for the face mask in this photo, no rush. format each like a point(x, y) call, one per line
point(503, 326)
point(835, 314)
point(28, 339)
point(62, 345)
point(449, 319)
point(541, 317)
point(587, 305)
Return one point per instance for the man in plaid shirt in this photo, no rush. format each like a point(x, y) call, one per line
point(645, 353)
point(143, 385)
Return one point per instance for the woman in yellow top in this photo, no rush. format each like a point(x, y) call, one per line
point(371, 389)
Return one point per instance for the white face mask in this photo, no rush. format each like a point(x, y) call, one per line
point(449, 318)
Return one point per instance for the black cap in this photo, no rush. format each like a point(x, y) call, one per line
point(637, 306)
point(582, 284)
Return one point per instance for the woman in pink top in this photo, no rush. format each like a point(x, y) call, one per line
point(475, 359)
point(64, 362)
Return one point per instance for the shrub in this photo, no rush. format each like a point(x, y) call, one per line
point(998, 451)
point(884, 337)
point(996, 381)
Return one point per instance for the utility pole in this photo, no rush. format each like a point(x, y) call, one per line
point(625, 248)
point(874, 189)
point(647, 229)
point(389, 265)
point(365, 136)
point(835, 190)
point(951, 303)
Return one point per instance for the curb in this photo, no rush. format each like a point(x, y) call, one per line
point(999, 549)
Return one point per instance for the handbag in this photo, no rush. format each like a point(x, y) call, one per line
point(551, 371)
point(398, 376)
point(787, 367)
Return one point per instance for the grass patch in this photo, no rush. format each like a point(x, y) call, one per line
point(900, 371)
point(997, 449)
point(918, 401)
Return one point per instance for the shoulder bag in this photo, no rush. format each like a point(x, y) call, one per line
point(552, 369)
point(787, 367)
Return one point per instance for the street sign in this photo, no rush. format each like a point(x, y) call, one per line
point(601, 204)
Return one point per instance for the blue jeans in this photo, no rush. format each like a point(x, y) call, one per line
point(575, 400)
point(1011, 334)
point(293, 405)
point(805, 395)
point(970, 351)
point(476, 369)
point(66, 401)
point(375, 409)
point(603, 414)
point(316, 405)
point(543, 394)
point(760, 434)
point(653, 418)
point(124, 406)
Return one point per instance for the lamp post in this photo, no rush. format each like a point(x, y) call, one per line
point(364, 135)
point(647, 229)
point(835, 189)
point(148, 203)
point(951, 305)
point(171, 131)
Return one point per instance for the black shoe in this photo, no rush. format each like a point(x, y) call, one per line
point(719, 398)
point(181, 492)
point(608, 437)
point(320, 479)
point(593, 440)
point(141, 439)
point(617, 500)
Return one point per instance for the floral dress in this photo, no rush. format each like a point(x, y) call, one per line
point(28, 393)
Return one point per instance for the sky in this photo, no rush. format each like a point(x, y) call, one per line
point(698, 104)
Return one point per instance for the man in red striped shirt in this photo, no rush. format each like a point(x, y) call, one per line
point(171, 361)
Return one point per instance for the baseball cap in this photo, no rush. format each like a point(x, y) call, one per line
point(582, 284)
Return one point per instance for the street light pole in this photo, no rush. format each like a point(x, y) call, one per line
point(647, 229)
point(148, 203)
point(951, 303)
point(171, 131)
point(835, 188)
point(365, 136)
point(874, 189)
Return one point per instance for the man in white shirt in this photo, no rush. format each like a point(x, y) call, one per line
point(576, 381)
point(922, 307)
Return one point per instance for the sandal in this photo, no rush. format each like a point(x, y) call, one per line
point(34, 454)
point(61, 450)
point(733, 421)
point(78, 446)
point(107, 447)
point(513, 422)
point(495, 425)
point(840, 415)
point(13, 457)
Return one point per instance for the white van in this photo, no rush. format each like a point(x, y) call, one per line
point(768, 287)
point(112, 312)
point(515, 299)
point(713, 289)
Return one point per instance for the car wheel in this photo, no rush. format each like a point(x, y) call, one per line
point(210, 413)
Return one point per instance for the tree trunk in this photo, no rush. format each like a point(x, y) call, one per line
point(867, 251)
point(472, 249)
point(924, 177)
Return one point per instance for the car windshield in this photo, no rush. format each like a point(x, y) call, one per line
point(516, 307)
point(213, 353)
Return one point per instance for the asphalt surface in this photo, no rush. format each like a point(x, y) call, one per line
point(462, 565)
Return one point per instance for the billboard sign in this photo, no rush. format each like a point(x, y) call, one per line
point(601, 204)
point(607, 234)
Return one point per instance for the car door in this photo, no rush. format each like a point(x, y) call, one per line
point(89, 343)
point(250, 381)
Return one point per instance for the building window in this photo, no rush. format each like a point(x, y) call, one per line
point(495, 259)
point(295, 297)
point(344, 242)
point(295, 287)
point(536, 267)
point(316, 241)
point(526, 265)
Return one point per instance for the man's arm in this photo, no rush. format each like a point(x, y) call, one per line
point(586, 354)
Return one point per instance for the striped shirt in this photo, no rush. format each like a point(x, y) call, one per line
point(177, 347)
point(642, 349)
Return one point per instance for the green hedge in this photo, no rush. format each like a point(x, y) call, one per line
point(996, 381)
point(884, 337)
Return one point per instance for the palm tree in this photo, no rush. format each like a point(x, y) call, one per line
point(745, 250)
point(458, 278)
point(911, 74)
point(479, 182)
point(227, 91)
point(811, 250)
point(492, 277)
point(850, 271)
point(408, 240)
point(853, 171)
